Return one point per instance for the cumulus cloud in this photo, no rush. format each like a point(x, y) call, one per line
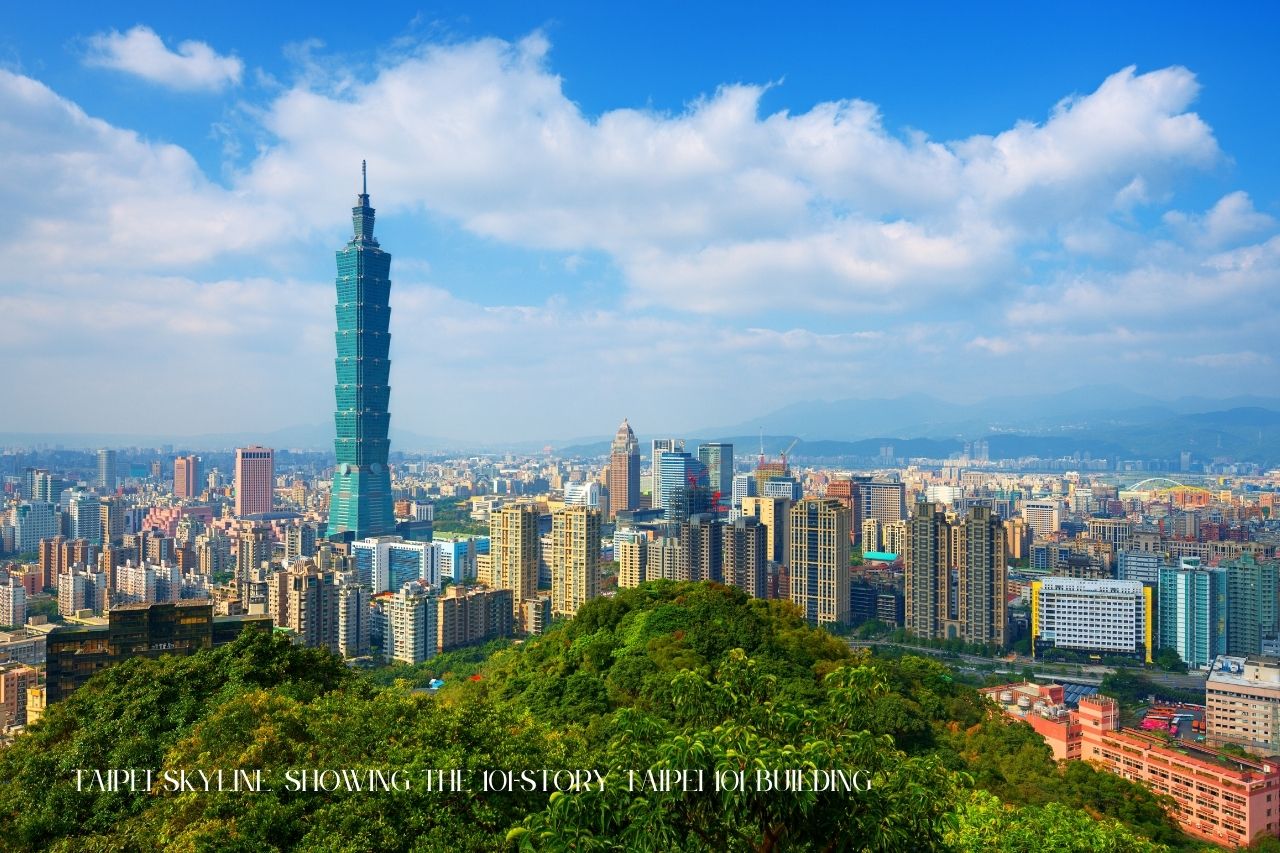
point(194, 66)
point(804, 251)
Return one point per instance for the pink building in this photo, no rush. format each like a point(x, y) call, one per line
point(255, 480)
point(186, 477)
point(1220, 798)
point(166, 518)
point(14, 680)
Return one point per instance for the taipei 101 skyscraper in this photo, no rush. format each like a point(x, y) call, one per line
point(360, 505)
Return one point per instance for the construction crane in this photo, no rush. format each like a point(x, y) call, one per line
point(787, 452)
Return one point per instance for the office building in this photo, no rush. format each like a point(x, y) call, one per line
point(1252, 590)
point(883, 501)
point(107, 477)
point(255, 480)
point(582, 493)
point(818, 530)
point(744, 553)
point(360, 504)
point(1193, 611)
point(514, 554)
point(683, 489)
point(468, 616)
point(386, 563)
point(74, 653)
point(659, 447)
point(1242, 703)
point(33, 521)
point(186, 477)
point(1107, 617)
point(1116, 532)
point(575, 558)
point(84, 519)
point(717, 458)
point(773, 513)
point(624, 471)
point(1141, 566)
point(744, 486)
point(1042, 516)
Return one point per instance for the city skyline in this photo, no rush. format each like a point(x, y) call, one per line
point(852, 238)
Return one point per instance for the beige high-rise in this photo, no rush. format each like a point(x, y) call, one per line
point(819, 534)
point(513, 554)
point(772, 512)
point(575, 558)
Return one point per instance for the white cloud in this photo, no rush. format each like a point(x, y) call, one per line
point(193, 66)
point(818, 253)
point(1231, 220)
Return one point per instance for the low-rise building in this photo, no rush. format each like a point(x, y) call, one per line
point(1242, 703)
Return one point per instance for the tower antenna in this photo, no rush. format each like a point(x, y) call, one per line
point(364, 177)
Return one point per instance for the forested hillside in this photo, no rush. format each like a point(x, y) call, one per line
point(667, 676)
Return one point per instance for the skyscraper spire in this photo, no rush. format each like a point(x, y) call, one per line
point(360, 504)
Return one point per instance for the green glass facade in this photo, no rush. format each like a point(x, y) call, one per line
point(361, 497)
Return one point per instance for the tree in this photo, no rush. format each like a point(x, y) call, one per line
point(1169, 660)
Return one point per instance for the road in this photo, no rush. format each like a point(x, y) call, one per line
point(1091, 673)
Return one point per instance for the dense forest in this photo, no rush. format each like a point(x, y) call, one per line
point(664, 677)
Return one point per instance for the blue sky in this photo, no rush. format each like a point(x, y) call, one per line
point(687, 214)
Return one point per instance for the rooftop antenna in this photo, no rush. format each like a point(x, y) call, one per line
point(364, 177)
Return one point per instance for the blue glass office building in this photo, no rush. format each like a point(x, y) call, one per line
point(360, 505)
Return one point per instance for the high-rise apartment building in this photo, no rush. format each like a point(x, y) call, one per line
point(304, 599)
point(1193, 611)
point(13, 603)
point(186, 477)
point(819, 564)
point(410, 632)
point(360, 504)
point(466, 616)
point(107, 478)
point(513, 554)
point(955, 576)
point(702, 537)
point(255, 480)
point(745, 556)
point(983, 617)
point(717, 458)
point(1252, 589)
point(111, 521)
point(624, 471)
point(353, 618)
point(575, 558)
point(631, 550)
